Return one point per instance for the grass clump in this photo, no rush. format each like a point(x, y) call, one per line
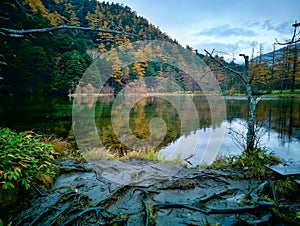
point(150, 155)
point(62, 147)
point(221, 162)
point(97, 153)
point(286, 188)
point(253, 162)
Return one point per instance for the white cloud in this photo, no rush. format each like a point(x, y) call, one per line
point(226, 31)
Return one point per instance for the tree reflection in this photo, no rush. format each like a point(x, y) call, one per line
point(280, 114)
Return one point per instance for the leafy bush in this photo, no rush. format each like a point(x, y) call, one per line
point(23, 158)
point(286, 188)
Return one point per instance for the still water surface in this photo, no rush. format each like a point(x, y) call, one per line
point(278, 118)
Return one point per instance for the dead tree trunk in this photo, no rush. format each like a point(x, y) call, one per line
point(250, 136)
point(247, 80)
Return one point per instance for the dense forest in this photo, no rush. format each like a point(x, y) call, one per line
point(54, 62)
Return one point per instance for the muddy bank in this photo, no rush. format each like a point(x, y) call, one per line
point(137, 192)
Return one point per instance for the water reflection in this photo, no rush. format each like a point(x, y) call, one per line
point(43, 115)
point(283, 145)
point(279, 117)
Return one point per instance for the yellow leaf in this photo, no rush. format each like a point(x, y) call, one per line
point(18, 169)
point(10, 155)
point(23, 164)
point(41, 166)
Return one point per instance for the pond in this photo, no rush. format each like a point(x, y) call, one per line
point(197, 128)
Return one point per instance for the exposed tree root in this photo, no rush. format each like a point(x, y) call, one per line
point(213, 196)
point(145, 204)
point(243, 209)
point(179, 205)
point(100, 213)
point(264, 219)
point(79, 215)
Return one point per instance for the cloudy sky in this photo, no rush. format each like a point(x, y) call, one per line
point(230, 27)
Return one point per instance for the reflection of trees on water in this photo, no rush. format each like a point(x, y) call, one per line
point(280, 114)
point(140, 116)
point(286, 117)
point(181, 117)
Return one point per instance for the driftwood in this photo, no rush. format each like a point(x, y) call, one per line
point(147, 214)
point(55, 210)
point(71, 166)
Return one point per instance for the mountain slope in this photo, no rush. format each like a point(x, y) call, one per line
point(54, 62)
point(277, 54)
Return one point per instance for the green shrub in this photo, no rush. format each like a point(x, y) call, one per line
point(286, 188)
point(23, 158)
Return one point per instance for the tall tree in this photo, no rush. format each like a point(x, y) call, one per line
point(292, 44)
point(260, 71)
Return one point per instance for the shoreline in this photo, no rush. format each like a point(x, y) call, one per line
point(179, 94)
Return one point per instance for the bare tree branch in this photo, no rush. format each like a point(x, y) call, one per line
point(21, 33)
point(247, 80)
point(287, 43)
point(296, 24)
point(292, 41)
point(225, 67)
point(2, 62)
point(3, 18)
point(22, 7)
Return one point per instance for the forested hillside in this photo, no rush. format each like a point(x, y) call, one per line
point(54, 62)
point(277, 70)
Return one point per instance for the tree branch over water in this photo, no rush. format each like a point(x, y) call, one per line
point(247, 80)
point(21, 33)
point(225, 67)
